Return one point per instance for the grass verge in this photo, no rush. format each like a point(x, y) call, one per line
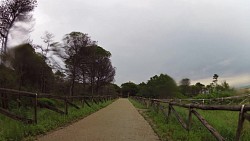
point(225, 122)
point(11, 130)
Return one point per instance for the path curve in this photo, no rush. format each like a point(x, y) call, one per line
point(119, 121)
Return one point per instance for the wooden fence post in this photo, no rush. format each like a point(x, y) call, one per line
point(35, 109)
point(19, 100)
point(240, 123)
point(189, 119)
point(66, 105)
point(158, 106)
point(82, 101)
point(169, 112)
point(148, 101)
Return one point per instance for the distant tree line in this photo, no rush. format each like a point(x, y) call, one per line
point(192, 90)
point(75, 66)
point(158, 86)
point(163, 86)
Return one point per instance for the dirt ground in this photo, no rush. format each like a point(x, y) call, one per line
point(120, 121)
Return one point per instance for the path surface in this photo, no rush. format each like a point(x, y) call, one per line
point(120, 121)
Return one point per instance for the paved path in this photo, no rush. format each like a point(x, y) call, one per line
point(120, 121)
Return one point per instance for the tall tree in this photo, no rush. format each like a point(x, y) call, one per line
point(74, 42)
point(163, 86)
point(215, 81)
point(105, 73)
point(185, 86)
point(215, 78)
point(99, 69)
point(13, 11)
point(199, 87)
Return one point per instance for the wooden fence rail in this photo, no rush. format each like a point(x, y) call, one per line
point(157, 104)
point(7, 95)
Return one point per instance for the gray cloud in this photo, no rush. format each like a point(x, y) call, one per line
point(182, 38)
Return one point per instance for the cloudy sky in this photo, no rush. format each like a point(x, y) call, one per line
point(181, 38)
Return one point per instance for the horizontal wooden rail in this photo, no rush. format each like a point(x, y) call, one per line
point(51, 96)
point(52, 108)
point(16, 92)
point(212, 99)
point(211, 107)
point(15, 117)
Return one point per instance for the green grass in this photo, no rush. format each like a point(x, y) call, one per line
point(137, 104)
point(11, 130)
point(225, 122)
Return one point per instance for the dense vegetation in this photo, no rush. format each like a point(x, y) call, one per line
point(163, 86)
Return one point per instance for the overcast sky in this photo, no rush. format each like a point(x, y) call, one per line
point(181, 38)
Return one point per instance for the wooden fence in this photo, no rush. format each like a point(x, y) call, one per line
point(157, 105)
point(34, 100)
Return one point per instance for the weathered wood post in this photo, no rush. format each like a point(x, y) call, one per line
point(66, 105)
point(19, 100)
point(240, 123)
point(169, 112)
point(35, 109)
point(82, 102)
point(189, 119)
point(157, 106)
point(148, 101)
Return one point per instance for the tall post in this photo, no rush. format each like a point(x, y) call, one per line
point(240, 123)
point(35, 109)
point(169, 112)
point(157, 106)
point(66, 105)
point(189, 119)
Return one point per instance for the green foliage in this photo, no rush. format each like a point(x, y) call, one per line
point(129, 88)
point(87, 62)
point(215, 95)
point(185, 86)
point(117, 88)
point(199, 88)
point(162, 86)
point(33, 72)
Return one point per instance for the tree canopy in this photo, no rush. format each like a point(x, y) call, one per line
point(129, 89)
point(86, 62)
point(159, 86)
point(13, 11)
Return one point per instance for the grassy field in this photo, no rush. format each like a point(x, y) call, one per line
point(225, 122)
point(11, 130)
